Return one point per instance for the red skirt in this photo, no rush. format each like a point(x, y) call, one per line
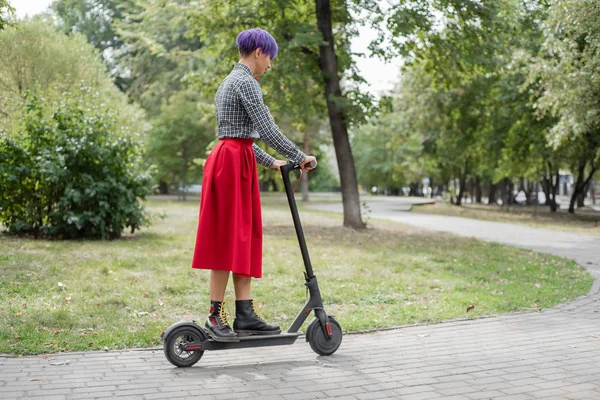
point(229, 236)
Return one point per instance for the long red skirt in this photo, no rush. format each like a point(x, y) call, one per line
point(230, 233)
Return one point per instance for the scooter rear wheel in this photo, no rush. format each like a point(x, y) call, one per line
point(175, 344)
point(319, 342)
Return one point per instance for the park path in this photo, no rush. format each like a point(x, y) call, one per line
point(554, 354)
point(584, 249)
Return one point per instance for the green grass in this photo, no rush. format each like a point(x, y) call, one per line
point(76, 295)
point(586, 222)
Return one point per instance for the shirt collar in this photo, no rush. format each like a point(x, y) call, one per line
point(243, 67)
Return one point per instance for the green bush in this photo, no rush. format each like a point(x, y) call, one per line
point(74, 175)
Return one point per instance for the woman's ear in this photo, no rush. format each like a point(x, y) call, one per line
point(258, 52)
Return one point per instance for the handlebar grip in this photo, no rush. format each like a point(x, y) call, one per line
point(311, 164)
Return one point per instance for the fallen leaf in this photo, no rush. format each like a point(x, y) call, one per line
point(35, 379)
point(17, 314)
point(537, 285)
point(471, 307)
point(90, 344)
point(572, 346)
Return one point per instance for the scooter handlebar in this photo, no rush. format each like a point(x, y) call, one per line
point(291, 166)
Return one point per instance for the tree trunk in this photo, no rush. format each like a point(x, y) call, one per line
point(578, 186)
point(413, 189)
point(472, 190)
point(492, 195)
point(339, 132)
point(581, 187)
point(530, 187)
point(554, 205)
point(462, 184)
point(431, 188)
point(546, 189)
point(504, 188)
point(305, 176)
point(478, 191)
point(550, 185)
point(593, 192)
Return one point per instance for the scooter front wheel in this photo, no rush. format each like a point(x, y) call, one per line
point(182, 347)
point(319, 342)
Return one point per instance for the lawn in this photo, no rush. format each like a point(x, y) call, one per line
point(76, 295)
point(584, 221)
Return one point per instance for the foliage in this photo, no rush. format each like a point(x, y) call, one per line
point(56, 64)
point(95, 19)
point(179, 137)
point(72, 176)
point(6, 13)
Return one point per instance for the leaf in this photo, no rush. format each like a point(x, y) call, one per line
point(471, 307)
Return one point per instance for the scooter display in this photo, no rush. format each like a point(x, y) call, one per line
point(186, 342)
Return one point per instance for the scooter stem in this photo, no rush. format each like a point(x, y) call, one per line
point(285, 172)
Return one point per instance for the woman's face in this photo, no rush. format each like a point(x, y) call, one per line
point(263, 62)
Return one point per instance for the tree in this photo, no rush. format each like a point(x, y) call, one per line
point(569, 89)
point(6, 13)
point(35, 58)
point(338, 117)
point(96, 20)
point(312, 59)
point(179, 137)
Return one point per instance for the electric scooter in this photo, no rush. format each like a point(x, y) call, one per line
point(186, 342)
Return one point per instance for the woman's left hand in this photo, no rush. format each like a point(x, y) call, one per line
point(277, 164)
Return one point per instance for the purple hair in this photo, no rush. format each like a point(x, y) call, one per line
point(256, 38)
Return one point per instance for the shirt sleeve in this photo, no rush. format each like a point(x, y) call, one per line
point(262, 157)
point(251, 97)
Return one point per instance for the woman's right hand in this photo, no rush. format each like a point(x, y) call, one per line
point(307, 160)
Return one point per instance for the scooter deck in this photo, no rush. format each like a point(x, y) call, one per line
point(252, 341)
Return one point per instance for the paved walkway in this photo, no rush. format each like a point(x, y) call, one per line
point(554, 354)
point(581, 248)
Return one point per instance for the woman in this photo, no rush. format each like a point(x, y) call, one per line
point(229, 238)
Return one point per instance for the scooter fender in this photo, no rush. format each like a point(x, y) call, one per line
point(170, 329)
point(315, 321)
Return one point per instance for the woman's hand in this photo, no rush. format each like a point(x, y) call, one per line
point(307, 160)
point(277, 164)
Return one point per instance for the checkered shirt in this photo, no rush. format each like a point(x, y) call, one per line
point(241, 113)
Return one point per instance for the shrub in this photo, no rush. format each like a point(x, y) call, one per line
point(74, 175)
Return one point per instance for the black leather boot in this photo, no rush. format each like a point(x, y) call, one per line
point(217, 324)
point(248, 322)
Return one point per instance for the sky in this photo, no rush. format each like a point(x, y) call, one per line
point(380, 76)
